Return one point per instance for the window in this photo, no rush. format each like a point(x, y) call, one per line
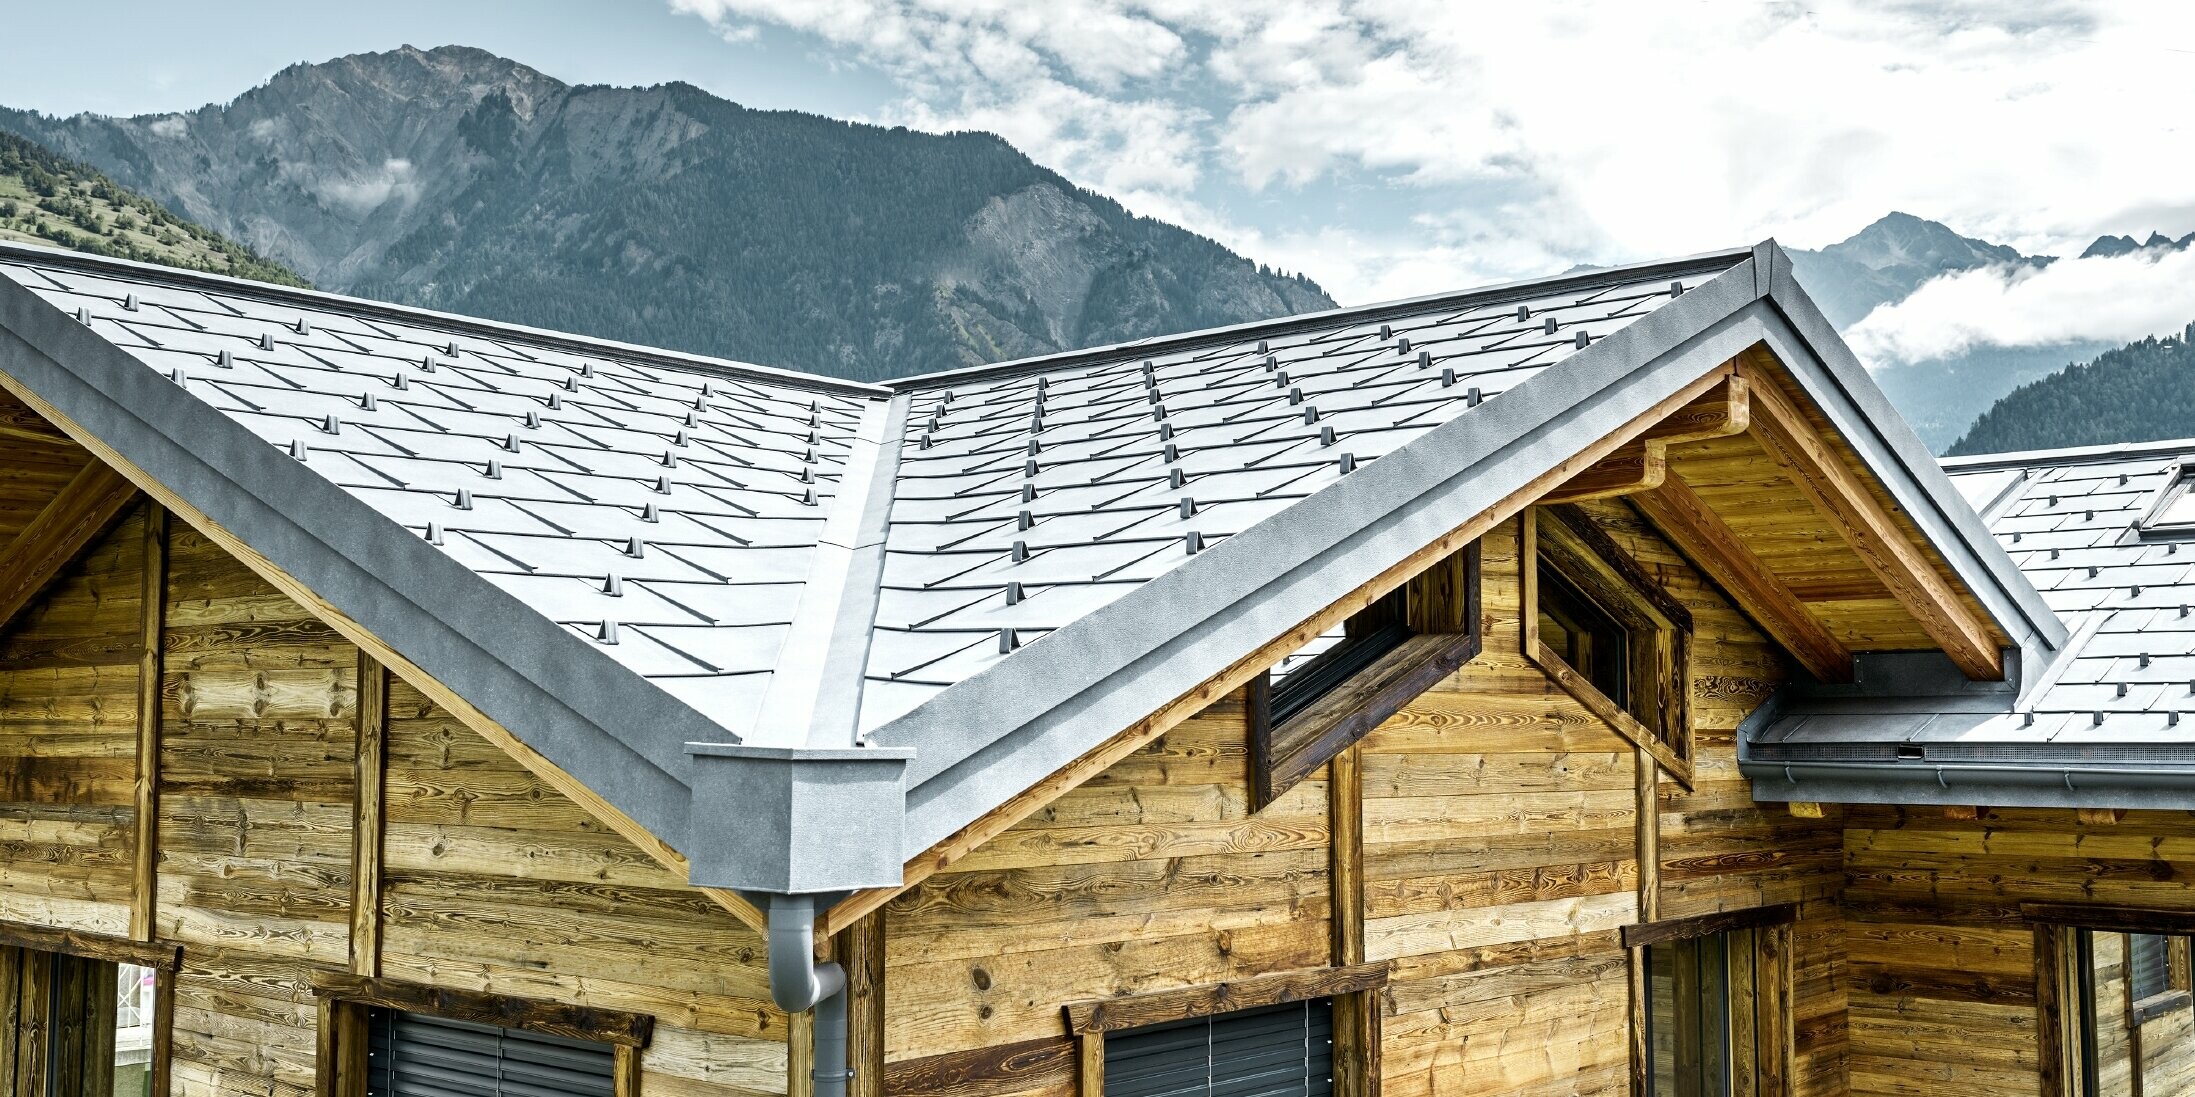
point(1277, 1051)
point(1603, 628)
point(1716, 1016)
point(2172, 512)
point(2133, 1018)
point(1595, 644)
point(1335, 689)
point(384, 1038)
point(82, 1024)
point(415, 1055)
point(1321, 666)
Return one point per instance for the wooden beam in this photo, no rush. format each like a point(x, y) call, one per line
point(1839, 494)
point(625, 1072)
point(1708, 925)
point(1704, 538)
point(1185, 1003)
point(1163, 718)
point(86, 506)
point(90, 946)
point(368, 830)
point(163, 1029)
point(2053, 1021)
point(151, 663)
point(2111, 919)
point(2100, 817)
point(1625, 724)
point(606, 1026)
point(1283, 756)
point(1644, 464)
point(466, 713)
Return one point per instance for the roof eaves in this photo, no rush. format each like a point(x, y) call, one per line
point(697, 364)
point(2070, 455)
point(1705, 263)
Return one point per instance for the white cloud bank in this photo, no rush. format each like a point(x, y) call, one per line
point(1397, 147)
point(2116, 300)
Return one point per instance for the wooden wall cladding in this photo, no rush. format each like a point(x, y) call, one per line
point(68, 718)
point(492, 881)
point(1154, 875)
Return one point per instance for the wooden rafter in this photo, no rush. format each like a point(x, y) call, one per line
point(1806, 457)
point(85, 507)
point(1643, 464)
point(1709, 542)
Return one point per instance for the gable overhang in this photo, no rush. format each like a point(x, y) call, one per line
point(507, 671)
point(1205, 627)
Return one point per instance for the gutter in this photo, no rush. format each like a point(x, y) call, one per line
point(2040, 785)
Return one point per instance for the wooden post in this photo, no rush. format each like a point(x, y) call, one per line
point(862, 951)
point(1647, 807)
point(152, 631)
point(367, 827)
point(626, 1082)
point(1090, 1064)
point(1357, 1015)
point(163, 1029)
point(800, 1054)
point(2050, 1011)
point(34, 1029)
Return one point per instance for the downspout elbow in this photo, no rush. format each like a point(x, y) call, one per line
point(798, 984)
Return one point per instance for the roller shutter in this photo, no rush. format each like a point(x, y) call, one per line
point(1278, 1051)
point(413, 1055)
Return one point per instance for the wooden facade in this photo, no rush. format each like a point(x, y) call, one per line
point(196, 759)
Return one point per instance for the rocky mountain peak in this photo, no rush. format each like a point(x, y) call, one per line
point(1901, 240)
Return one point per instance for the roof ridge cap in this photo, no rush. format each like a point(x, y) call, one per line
point(1709, 262)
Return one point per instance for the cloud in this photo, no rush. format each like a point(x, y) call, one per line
point(1449, 144)
point(2116, 300)
point(360, 194)
point(171, 127)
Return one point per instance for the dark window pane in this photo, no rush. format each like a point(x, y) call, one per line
point(1277, 1051)
point(1594, 643)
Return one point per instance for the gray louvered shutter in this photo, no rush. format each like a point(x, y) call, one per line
point(413, 1055)
point(1278, 1051)
point(2149, 964)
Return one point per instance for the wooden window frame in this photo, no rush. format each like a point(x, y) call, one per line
point(1767, 983)
point(164, 959)
point(1442, 608)
point(339, 1062)
point(1657, 716)
point(2058, 1013)
point(1088, 1021)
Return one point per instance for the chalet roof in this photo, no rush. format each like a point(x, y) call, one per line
point(2110, 721)
point(804, 628)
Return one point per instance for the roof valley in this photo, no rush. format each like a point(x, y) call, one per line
point(814, 696)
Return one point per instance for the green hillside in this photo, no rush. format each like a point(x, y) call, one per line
point(2141, 392)
point(45, 199)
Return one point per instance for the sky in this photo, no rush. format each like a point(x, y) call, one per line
point(1390, 148)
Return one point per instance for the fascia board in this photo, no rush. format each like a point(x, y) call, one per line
point(1015, 723)
point(1841, 387)
point(611, 729)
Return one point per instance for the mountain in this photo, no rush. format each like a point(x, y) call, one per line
point(1884, 263)
point(2110, 246)
point(45, 199)
point(2138, 393)
point(459, 180)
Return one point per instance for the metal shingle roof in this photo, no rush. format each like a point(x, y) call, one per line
point(670, 509)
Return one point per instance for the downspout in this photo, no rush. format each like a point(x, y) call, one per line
point(799, 984)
